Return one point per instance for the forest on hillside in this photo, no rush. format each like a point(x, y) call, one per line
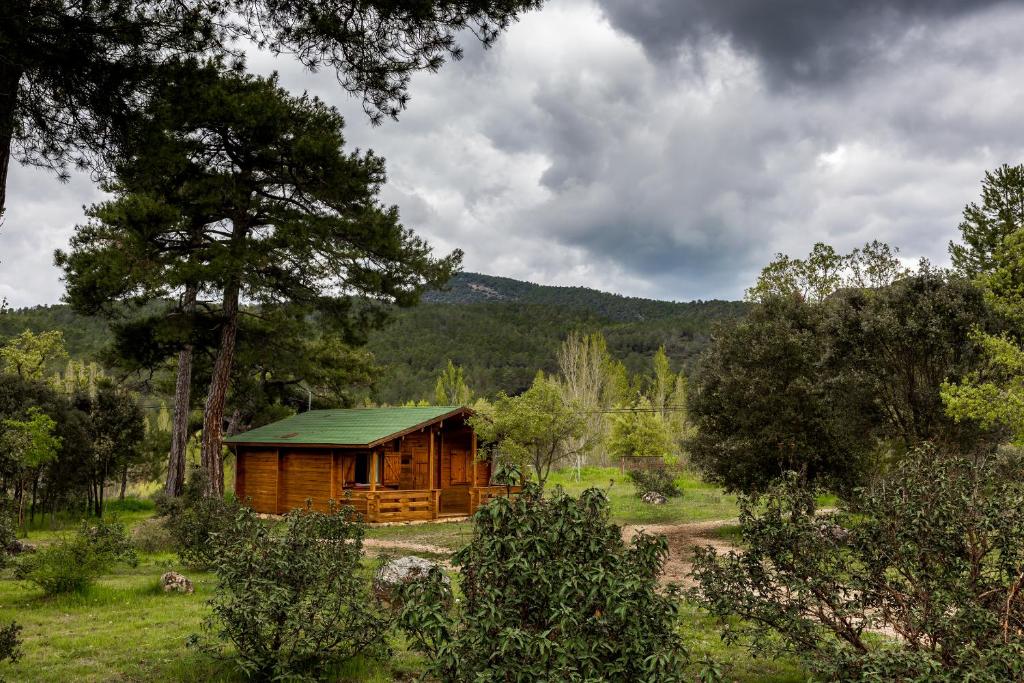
point(501, 331)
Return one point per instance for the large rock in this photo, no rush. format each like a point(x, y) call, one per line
point(173, 582)
point(17, 547)
point(403, 570)
point(654, 498)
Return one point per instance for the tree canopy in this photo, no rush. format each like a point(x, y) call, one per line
point(834, 388)
point(245, 193)
point(73, 74)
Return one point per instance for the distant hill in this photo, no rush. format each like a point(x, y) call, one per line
point(503, 330)
point(499, 329)
point(474, 288)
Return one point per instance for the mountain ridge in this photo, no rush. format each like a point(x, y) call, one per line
point(500, 330)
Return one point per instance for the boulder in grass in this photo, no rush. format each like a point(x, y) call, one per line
point(403, 570)
point(654, 498)
point(173, 582)
point(17, 547)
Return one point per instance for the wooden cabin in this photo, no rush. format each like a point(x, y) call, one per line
point(391, 464)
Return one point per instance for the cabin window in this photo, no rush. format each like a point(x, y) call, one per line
point(362, 468)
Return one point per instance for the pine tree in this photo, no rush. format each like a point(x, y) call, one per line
point(247, 192)
point(451, 388)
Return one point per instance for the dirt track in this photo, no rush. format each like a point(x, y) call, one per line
point(681, 540)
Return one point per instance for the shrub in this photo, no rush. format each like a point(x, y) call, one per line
point(130, 504)
point(192, 520)
point(293, 598)
point(10, 644)
point(152, 536)
point(73, 564)
point(8, 530)
point(655, 480)
point(551, 592)
point(933, 552)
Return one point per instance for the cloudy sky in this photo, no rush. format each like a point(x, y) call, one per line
point(667, 148)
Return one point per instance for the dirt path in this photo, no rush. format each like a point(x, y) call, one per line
point(380, 546)
point(681, 540)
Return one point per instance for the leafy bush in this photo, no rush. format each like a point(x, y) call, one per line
point(655, 480)
point(192, 520)
point(933, 553)
point(130, 504)
point(551, 592)
point(10, 644)
point(8, 530)
point(292, 599)
point(73, 564)
point(152, 536)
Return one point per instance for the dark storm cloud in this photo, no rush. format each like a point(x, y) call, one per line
point(795, 41)
point(646, 147)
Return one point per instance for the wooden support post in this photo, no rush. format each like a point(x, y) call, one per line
point(435, 503)
point(237, 450)
point(373, 470)
point(277, 483)
point(334, 475)
point(472, 454)
point(430, 459)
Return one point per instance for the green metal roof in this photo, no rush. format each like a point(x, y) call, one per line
point(345, 427)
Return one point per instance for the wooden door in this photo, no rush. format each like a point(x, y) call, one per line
point(458, 475)
point(421, 468)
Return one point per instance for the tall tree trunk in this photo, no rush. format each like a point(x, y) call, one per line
point(10, 76)
point(182, 403)
point(124, 482)
point(35, 492)
point(213, 415)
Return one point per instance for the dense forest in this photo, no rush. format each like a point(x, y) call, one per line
point(500, 330)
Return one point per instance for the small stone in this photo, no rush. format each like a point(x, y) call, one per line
point(403, 570)
point(173, 582)
point(654, 498)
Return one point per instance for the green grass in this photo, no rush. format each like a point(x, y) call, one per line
point(448, 535)
point(700, 501)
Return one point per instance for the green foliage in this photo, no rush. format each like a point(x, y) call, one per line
point(986, 226)
point(762, 406)
point(8, 531)
point(10, 643)
point(28, 444)
point(292, 599)
point(193, 520)
point(659, 480)
point(536, 430)
point(551, 592)
point(451, 389)
point(932, 552)
point(499, 344)
point(29, 355)
point(73, 564)
point(834, 389)
point(501, 341)
point(641, 430)
point(993, 253)
point(825, 271)
point(31, 441)
point(152, 536)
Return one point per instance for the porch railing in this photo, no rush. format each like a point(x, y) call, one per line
point(403, 506)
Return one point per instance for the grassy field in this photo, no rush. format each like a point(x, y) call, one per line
point(126, 629)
